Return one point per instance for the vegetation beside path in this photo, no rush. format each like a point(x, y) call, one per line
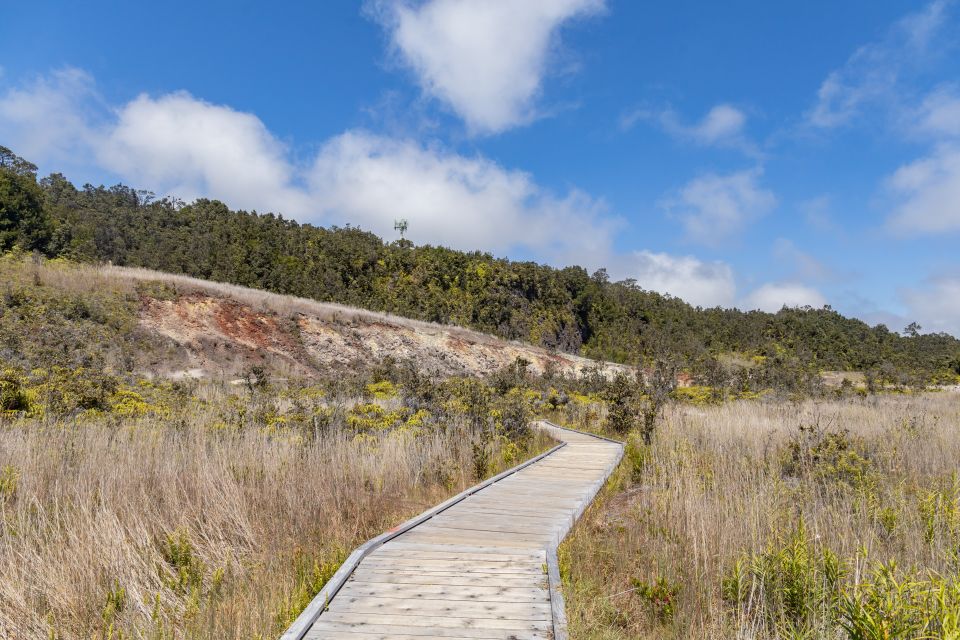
point(140, 507)
point(831, 518)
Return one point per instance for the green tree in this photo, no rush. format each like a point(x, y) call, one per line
point(621, 404)
point(23, 221)
point(656, 386)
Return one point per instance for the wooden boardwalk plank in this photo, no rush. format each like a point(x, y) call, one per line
point(477, 568)
point(366, 631)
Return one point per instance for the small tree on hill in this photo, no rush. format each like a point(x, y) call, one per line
point(621, 397)
point(656, 387)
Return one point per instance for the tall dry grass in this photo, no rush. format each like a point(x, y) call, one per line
point(173, 528)
point(740, 495)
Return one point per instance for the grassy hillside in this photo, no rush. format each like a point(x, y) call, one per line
point(565, 309)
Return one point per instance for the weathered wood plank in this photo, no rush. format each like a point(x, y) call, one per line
point(475, 568)
point(465, 566)
point(447, 592)
point(461, 608)
point(436, 622)
point(447, 579)
point(324, 628)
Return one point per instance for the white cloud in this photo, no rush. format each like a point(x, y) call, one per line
point(722, 122)
point(181, 145)
point(51, 118)
point(873, 71)
point(774, 296)
point(705, 284)
point(713, 207)
point(936, 304)
point(929, 192)
point(467, 203)
point(485, 59)
point(722, 126)
point(939, 114)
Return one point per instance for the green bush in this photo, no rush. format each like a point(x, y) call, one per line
point(660, 595)
point(826, 455)
point(9, 480)
point(13, 393)
point(798, 590)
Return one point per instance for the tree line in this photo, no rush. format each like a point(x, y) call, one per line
point(566, 309)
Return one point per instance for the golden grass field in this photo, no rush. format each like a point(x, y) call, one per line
point(737, 523)
point(182, 526)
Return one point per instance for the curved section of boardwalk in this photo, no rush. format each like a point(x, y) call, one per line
point(478, 568)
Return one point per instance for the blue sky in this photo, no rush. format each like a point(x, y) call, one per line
point(748, 154)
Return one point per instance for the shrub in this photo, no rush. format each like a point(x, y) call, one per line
point(512, 415)
point(826, 455)
point(381, 390)
point(9, 479)
point(82, 388)
point(792, 581)
point(184, 570)
point(887, 605)
point(660, 595)
point(480, 449)
point(698, 395)
point(621, 400)
point(13, 394)
point(311, 573)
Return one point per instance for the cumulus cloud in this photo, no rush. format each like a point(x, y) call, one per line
point(705, 284)
point(714, 207)
point(464, 202)
point(185, 146)
point(886, 74)
point(485, 59)
point(936, 304)
point(774, 296)
point(473, 202)
point(872, 73)
point(180, 145)
point(722, 122)
point(52, 118)
point(928, 190)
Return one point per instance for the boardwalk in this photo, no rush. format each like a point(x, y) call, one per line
point(477, 569)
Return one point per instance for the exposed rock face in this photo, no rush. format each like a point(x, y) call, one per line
point(221, 330)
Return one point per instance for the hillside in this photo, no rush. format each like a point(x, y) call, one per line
point(176, 327)
point(567, 310)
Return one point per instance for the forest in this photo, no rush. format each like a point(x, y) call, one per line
point(566, 309)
